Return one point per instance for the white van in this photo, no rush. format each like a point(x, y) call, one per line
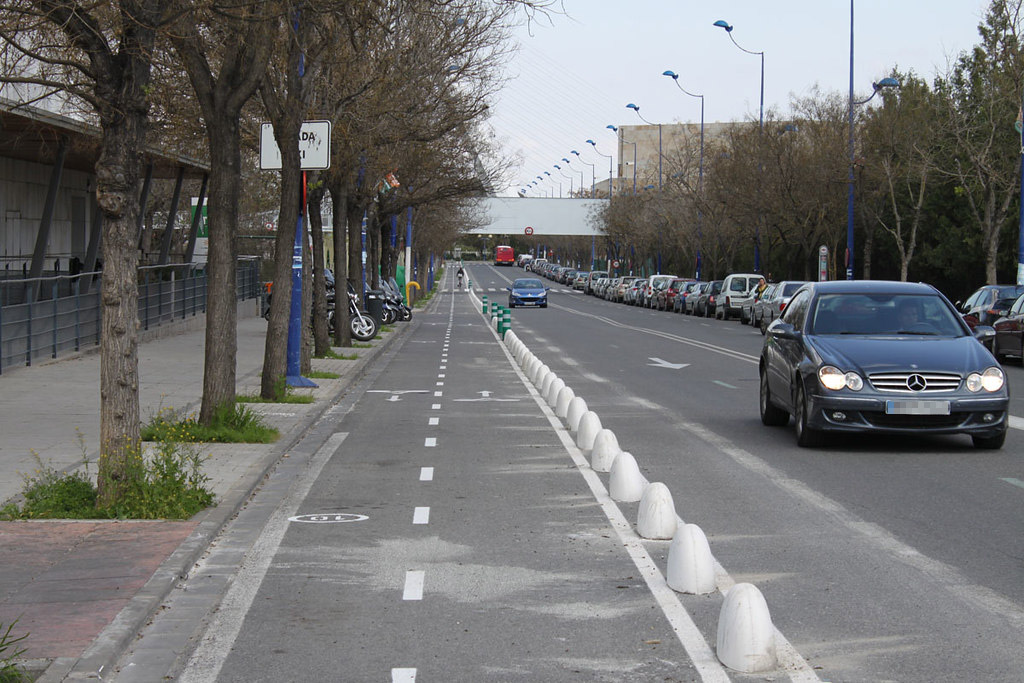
point(737, 289)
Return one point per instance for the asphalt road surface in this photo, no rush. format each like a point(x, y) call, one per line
point(436, 526)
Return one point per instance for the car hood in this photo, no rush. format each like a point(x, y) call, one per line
point(529, 291)
point(869, 355)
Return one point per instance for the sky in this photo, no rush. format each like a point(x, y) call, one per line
point(575, 72)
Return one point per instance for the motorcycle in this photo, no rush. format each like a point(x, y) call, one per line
point(362, 324)
point(394, 303)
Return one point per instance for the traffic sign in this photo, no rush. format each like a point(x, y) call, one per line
point(529, 230)
point(314, 147)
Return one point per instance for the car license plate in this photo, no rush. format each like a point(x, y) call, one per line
point(917, 407)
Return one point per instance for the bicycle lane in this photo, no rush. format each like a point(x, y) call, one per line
point(445, 536)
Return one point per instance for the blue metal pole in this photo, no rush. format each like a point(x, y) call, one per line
point(849, 176)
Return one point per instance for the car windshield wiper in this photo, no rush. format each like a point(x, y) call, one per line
point(929, 334)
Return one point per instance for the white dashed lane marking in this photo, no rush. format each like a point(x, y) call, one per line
point(414, 580)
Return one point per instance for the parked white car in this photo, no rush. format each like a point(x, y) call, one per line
point(737, 290)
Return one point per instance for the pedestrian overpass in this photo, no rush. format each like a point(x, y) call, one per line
point(539, 216)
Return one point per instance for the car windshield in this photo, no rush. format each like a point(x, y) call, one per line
point(790, 288)
point(527, 283)
point(884, 314)
point(1010, 292)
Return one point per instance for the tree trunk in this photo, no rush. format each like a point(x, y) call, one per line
point(355, 249)
point(117, 176)
point(222, 304)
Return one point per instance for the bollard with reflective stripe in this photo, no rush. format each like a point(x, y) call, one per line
point(485, 305)
point(506, 321)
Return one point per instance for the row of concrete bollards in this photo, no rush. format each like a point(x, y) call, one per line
point(501, 317)
point(746, 635)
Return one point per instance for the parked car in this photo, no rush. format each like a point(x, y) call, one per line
point(737, 289)
point(708, 300)
point(666, 296)
point(679, 304)
point(523, 260)
point(633, 293)
point(876, 356)
point(771, 305)
point(989, 303)
point(1009, 339)
point(747, 315)
point(592, 280)
point(580, 282)
point(620, 291)
point(654, 283)
point(536, 265)
point(527, 291)
point(690, 305)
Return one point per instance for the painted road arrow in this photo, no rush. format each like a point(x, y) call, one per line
point(659, 363)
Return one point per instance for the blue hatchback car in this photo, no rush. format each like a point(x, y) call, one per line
point(527, 291)
point(884, 357)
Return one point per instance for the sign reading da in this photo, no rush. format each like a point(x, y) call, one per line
point(314, 147)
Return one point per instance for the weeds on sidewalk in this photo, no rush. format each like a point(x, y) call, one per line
point(320, 374)
point(334, 355)
point(168, 484)
point(9, 651)
point(232, 423)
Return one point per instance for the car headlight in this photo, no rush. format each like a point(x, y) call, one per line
point(990, 380)
point(835, 379)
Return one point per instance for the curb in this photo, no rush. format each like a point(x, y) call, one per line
point(114, 640)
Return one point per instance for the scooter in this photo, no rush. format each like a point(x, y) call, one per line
point(394, 303)
point(362, 324)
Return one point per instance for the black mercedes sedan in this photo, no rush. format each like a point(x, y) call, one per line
point(877, 356)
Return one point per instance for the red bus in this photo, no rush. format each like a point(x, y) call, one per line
point(504, 256)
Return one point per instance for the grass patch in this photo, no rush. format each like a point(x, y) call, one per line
point(334, 355)
point(361, 345)
point(166, 484)
point(319, 374)
point(387, 328)
point(9, 651)
point(287, 398)
point(232, 423)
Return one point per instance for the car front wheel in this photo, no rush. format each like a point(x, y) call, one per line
point(991, 443)
point(806, 437)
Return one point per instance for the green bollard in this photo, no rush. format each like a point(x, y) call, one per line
point(485, 305)
point(506, 322)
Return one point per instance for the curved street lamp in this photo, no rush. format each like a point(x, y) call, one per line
point(583, 178)
point(700, 172)
point(636, 108)
point(548, 174)
point(610, 158)
point(565, 176)
point(721, 23)
point(593, 171)
point(887, 82)
point(625, 141)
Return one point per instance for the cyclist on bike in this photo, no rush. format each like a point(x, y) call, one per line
point(461, 273)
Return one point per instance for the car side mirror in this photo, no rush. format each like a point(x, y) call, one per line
point(508, 288)
point(984, 332)
point(780, 329)
point(546, 289)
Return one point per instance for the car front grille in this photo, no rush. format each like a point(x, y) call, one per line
point(914, 382)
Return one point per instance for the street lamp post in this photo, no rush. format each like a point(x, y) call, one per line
point(875, 87)
point(593, 172)
point(610, 157)
point(625, 141)
point(548, 174)
point(565, 176)
point(721, 23)
point(636, 108)
point(700, 172)
point(583, 178)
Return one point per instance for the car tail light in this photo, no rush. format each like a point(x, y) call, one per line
point(781, 306)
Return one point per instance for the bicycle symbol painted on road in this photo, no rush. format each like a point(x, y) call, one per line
point(329, 518)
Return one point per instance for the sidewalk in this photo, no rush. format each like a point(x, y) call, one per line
point(84, 588)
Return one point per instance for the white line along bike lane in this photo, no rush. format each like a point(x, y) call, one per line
point(482, 558)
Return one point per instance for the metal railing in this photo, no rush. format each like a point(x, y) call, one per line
point(47, 317)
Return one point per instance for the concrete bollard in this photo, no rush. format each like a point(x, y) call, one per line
point(530, 364)
point(656, 519)
point(606, 447)
point(552, 393)
point(691, 567)
point(546, 384)
point(565, 397)
point(539, 374)
point(510, 339)
point(590, 425)
point(746, 636)
point(577, 407)
point(625, 484)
